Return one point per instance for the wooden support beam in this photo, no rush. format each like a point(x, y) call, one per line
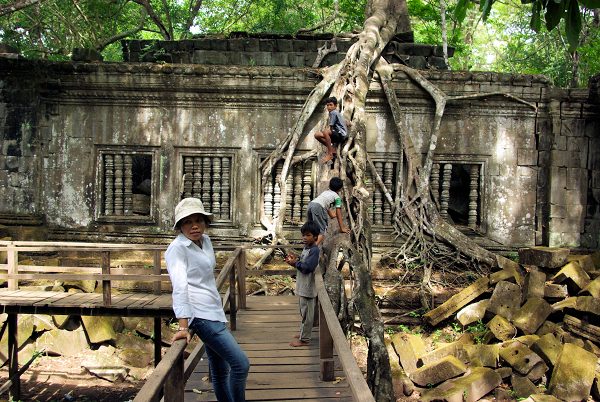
point(325, 349)
point(156, 271)
point(232, 301)
point(106, 283)
point(13, 358)
point(157, 340)
point(241, 274)
point(13, 267)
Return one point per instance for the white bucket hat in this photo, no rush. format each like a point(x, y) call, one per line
point(187, 207)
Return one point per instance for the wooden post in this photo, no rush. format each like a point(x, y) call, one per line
point(106, 283)
point(232, 302)
point(13, 266)
point(13, 357)
point(316, 313)
point(157, 271)
point(157, 341)
point(241, 277)
point(325, 348)
point(175, 384)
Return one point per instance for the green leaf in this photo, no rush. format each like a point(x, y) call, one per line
point(554, 13)
point(485, 7)
point(573, 24)
point(536, 20)
point(460, 12)
point(590, 4)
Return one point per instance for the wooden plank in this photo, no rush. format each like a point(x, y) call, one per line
point(280, 394)
point(88, 277)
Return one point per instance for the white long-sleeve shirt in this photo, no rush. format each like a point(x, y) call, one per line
point(191, 269)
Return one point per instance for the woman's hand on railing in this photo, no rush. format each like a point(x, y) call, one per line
point(183, 334)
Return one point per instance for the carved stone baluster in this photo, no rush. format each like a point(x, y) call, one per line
point(445, 190)
point(277, 191)
point(197, 174)
point(188, 176)
point(297, 208)
point(388, 174)
point(109, 181)
point(118, 184)
point(289, 196)
point(435, 181)
point(225, 187)
point(306, 188)
point(473, 196)
point(206, 178)
point(216, 186)
point(127, 192)
point(377, 207)
point(269, 197)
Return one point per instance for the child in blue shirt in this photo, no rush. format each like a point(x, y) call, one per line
point(335, 132)
point(305, 281)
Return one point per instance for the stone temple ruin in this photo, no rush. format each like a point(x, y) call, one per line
point(99, 151)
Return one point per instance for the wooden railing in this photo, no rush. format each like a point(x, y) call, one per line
point(170, 376)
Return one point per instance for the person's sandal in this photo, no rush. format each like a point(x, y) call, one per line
point(299, 343)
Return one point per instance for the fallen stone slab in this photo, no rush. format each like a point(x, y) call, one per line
point(592, 289)
point(437, 372)
point(532, 315)
point(510, 271)
point(457, 302)
point(522, 386)
point(555, 291)
point(455, 349)
point(548, 347)
point(573, 273)
point(582, 328)
point(533, 285)
point(585, 261)
point(473, 312)
point(409, 348)
point(548, 327)
point(99, 329)
point(586, 304)
point(541, 398)
point(104, 363)
point(573, 374)
point(505, 300)
point(546, 257)
point(402, 384)
point(63, 343)
point(483, 355)
point(504, 372)
point(502, 328)
point(519, 356)
point(478, 382)
point(527, 340)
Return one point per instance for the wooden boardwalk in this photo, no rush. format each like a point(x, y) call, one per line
point(126, 304)
point(278, 371)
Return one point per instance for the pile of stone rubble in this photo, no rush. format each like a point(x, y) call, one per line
point(540, 341)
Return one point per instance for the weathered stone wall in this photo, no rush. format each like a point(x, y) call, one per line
point(74, 113)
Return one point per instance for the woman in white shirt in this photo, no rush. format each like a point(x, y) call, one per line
point(197, 303)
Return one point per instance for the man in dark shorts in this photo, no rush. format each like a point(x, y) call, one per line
point(336, 131)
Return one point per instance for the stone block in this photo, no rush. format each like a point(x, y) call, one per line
point(506, 299)
point(559, 143)
point(522, 386)
point(300, 46)
point(267, 45)
point(63, 343)
point(417, 62)
point(280, 59)
point(99, 329)
point(296, 59)
point(510, 266)
point(437, 62)
point(437, 372)
point(541, 398)
point(558, 211)
point(483, 355)
point(547, 257)
point(409, 349)
point(504, 372)
point(284, 45)
point(309, 58)
point(531, 315)
point(573, 374)
point(592, 289)
point(501, 328)
point(573, 273)
point(548, 347)
point(527, 157)
point(519, 357)
point(586, 304)
point(473, 312)
point(256, 58)
point(555, 291)
point(237, 44)
point(455, 349)
point(533, 285)
point(201, 44)
point(456, 302)
point(479, 381)
point(251, 44)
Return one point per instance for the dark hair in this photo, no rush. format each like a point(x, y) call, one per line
point(206, 221)
point(310, 227)
point(335, 184)
point(331, 99)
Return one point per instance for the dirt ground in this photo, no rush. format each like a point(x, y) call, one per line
point(54, 379)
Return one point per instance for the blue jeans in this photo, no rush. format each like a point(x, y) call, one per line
point(227, 361)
